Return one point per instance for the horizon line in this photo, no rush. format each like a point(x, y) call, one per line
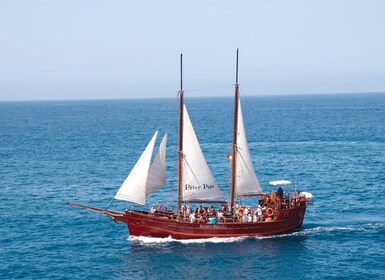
point(190, 97)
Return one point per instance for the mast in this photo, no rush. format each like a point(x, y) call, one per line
point(235, 132)
point(180, 151)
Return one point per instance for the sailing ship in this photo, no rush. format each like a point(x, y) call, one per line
point(274, 213)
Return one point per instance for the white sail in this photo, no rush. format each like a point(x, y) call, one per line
point(157, 173)
point(198, 182)
point(246, 181)
point(133, 188)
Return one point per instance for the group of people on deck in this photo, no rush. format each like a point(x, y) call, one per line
point(161, 208)
point(210, 215)
point(202, 214)
point(247, 215)
point(265, 211)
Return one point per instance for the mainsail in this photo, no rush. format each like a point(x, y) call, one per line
point(246, 180)
point(198, 182)
point(144, 179)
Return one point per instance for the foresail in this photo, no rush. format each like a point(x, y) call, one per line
point(198, 182)
point(133, 188)
point(246, 180)
point(157, 173)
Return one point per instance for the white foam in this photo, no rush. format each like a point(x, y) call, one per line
point(155, 240)
point(307, 231)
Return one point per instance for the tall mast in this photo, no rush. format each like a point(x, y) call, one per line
point(235, 132)
point(180, 151)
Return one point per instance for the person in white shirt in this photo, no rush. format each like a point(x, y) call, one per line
point(259, 213)
point(220, 216)
point(249, 218)
point(192, 218)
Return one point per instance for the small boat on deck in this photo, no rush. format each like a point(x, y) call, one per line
point(272, 213)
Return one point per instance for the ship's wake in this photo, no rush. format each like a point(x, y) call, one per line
point(155, 240)
point(369, 227)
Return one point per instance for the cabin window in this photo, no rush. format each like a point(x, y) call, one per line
point(286, 216)
point(293, 215)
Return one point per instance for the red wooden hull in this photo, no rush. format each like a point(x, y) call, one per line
point(143, 224)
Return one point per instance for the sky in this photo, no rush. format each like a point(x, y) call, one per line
point(99, 49)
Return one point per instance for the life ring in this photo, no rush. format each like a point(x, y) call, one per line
point(269, 212)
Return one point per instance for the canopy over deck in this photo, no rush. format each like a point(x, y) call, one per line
point(279, 182)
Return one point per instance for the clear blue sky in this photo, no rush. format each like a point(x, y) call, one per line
point(95, 49)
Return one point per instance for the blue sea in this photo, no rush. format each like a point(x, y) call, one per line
point(57, 151)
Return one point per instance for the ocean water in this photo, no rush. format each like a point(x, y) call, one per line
point(52, 152)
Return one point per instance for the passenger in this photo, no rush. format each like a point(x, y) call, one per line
point(212, 211)
point(244, 219)
point(220, 216)
point(202, 220)
point(280, 191)
point(213, 220)
point(249, 218)
point(199, 211)
point(204, 213)
point(255, 218)
point(259, 213)
point(192, 218)
point(266, 200)
point(161, 206)
point(153, 209)
point(240, 214)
